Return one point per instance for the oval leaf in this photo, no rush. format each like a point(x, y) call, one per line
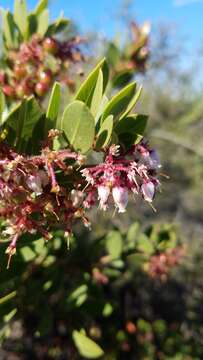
point(21, 17)
point(86, 347)
point(119, 103)
point(43, 22)
point(105, 132)
point(86, 90)
point(133, 102)
point(114, 244)
point(97, 95)
point(42, 4)
point(78, 126)
point(53, 107)
point(134, 124)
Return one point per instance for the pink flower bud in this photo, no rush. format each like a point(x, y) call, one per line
point(148, 191)
point(103, 195)
point(120, 196)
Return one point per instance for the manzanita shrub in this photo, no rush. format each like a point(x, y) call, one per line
point(34, 55)
point(51, 171)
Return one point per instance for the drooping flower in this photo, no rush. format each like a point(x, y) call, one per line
point(120, 196)
point(103, 195)
point(148, 191)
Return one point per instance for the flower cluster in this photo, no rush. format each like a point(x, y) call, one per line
point(31, 198)
point(43, 192)
point(34, 66)
point(160, 265)
point(133, 171)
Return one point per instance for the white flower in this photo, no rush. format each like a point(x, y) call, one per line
point(155, 160)
point(43, 177)
point(76, 197)
point(35, 184)
point(103, 195)
point(148, 191)
point(120, 196)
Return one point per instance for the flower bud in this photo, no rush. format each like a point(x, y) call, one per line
point(35, 184)
point(155, 160)
point(148, 191)
point(103, 195)
point(76, 197)
point(120, 196)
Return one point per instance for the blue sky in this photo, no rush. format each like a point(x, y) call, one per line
point(100, 14)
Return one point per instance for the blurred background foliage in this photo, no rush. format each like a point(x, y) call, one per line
point(134, 284)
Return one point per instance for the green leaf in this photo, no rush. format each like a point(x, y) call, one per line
point(119, 103)
point(78, 126)
point(114, 244)
point(102, 106)
point(144, 244)
point(7, 297)
point(32, 20)
point(53, 107)
point(2, 105)
point(59, 25)
point(134, 124)
point(133, 102)
point(43, 22)
point(107, 310)
point(27, 253)
point(122, 78)
point(113, 54)
point(21, 17)
point(23, 118)
point(41, 6)
point(10, 315)
point(105, 132)
point(97, 95)
point(86, 90)
point(86, 347)
point(8, 29)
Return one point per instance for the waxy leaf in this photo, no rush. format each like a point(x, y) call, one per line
point(24, 118)
point(59, 25)
point(133, 102)
point(41, 6)
point(53, 107)
point(86, 90)
point(21, 17)
point(8, 29)
point(78, 126)
point(134, 124)
point(105, 132)
point(97, 95)
point(43, 22)
point(114, 244)
point(119, 103)
point(86, 347)
point(2, 105)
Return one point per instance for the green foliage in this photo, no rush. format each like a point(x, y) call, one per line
point(21, 18)
point(91, 123)
point(53, 107)
point(87, 89)
point(78, 126)
point(21, 25)
point(86, 347)
point(105, 132)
